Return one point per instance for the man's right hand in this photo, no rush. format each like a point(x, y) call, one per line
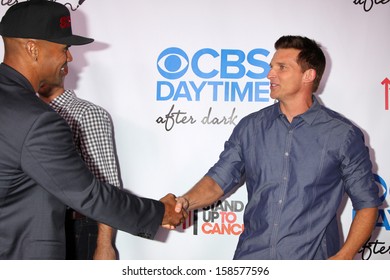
point(181, 204)
point(172, 218)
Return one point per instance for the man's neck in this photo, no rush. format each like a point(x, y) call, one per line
point(55, 92)
point(295, 107)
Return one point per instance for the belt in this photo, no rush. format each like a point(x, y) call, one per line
point(74, 215)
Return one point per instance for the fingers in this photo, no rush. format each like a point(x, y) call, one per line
point(172, 218)
point(170, 227)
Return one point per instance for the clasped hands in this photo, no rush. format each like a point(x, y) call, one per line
point(175, 211)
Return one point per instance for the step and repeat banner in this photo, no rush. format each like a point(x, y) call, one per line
point(177, 76)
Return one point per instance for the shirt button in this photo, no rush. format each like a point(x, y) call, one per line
point(286, 154)
point(280, 201)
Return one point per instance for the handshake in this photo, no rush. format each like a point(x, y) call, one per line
point(175, 211)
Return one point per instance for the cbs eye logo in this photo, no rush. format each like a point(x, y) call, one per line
point(172, 63)
point(207, 63)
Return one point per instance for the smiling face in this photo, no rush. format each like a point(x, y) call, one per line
point(53, 60)
point(285, 75)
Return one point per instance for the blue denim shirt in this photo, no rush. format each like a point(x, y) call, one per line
point(296, 174)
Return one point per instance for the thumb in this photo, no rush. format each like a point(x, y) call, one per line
point(181, 203)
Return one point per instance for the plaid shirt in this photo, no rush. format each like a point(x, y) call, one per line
point(92, 134)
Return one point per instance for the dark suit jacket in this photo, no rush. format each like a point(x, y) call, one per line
point(41, 172)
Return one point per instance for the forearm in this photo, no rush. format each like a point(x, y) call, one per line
point(105, 234)
point(104, 244)
point(204, 193)
point(361, 229)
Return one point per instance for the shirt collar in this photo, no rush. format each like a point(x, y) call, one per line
point(276, 112)
point(62, 100)
point(309, 116)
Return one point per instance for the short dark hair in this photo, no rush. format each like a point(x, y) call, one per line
point(311, 55)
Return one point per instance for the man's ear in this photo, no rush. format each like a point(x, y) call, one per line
point(32, 49)
point(309, 75)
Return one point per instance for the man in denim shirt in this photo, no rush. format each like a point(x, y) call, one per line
point(297, 158)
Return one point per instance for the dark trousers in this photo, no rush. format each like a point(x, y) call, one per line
point(81, 236)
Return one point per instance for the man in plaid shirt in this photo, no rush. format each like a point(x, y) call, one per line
point(93, 136)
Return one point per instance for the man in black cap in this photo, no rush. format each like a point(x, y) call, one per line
point(40, 169)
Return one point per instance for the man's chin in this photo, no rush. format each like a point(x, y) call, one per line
point(273, 95)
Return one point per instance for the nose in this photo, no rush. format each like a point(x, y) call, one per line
point(69, 56)
point(270, 74)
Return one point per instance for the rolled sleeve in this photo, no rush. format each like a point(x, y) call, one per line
point(230, 168)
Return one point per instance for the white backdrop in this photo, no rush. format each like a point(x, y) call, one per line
point(160, 154)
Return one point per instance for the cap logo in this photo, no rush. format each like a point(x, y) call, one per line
point(65, 22)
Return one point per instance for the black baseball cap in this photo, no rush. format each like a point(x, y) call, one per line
point(40, 19)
